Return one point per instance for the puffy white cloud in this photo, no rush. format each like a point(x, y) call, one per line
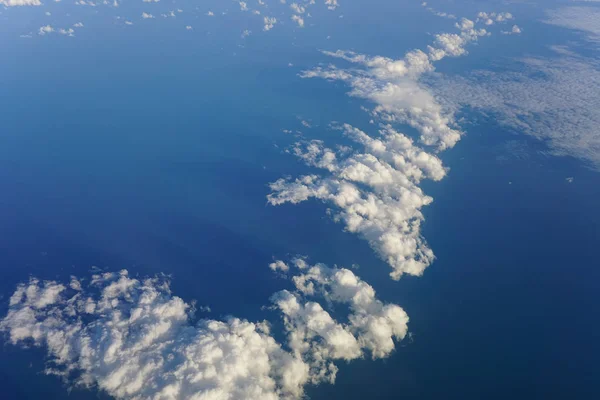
point(316, 337)
point(332, 4)
point(145, 15)
point(279, 266)
point(299, 20)
point(515, 30)
point(269, 23)
point(45, 30)
point(133, 339)
point(493, 17)
point(374, 324)
point(298, 9)
point(393, 85)
point(375, 191)
point(67, 32)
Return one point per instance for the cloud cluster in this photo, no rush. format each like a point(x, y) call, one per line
point(372, 325)
point(493, 17)
point(375, 190)
point(133, 339)
point(393, 85)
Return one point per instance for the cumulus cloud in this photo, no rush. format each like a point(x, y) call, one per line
point(373, 325)
point(332, 4)
point(132, 338)
point(493, 17)
point(375, 190)
point(515, 30)
point(393, 85)
point(44, 30)
point(299, 20)
point(67, 32)
point(269, 23)
point(298, 9)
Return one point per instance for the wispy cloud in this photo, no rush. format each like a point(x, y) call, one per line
point(18, 3)
point(554, 99)
point(585, 19)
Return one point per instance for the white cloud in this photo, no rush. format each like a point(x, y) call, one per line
point(585, 19)
point(553, 99)
point(332, 4)
point(393, 84)
point(279, 266)
point(45, 30)
point(18, 3)
point(67, 32)
point(299, 20)
point(269, 23)
point(133, 339)
point(493, 17)
point(376, 190)
point(137, 342)
point(515, 30)
point(145, 15)
point(374, 324)
point(298, 9)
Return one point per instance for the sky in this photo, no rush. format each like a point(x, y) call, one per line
point(280, 200)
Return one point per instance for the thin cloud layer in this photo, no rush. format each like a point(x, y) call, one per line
point(585, 19)
point(133, 339)
point(553, 99)
point(19, 3)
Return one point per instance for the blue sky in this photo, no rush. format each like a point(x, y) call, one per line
point(274, 199)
